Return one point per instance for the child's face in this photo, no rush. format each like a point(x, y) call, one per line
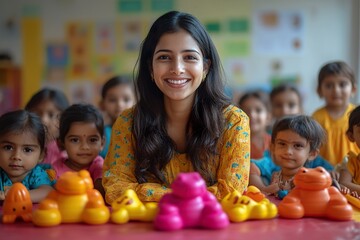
point(82, 143)
point(354, 136)
point(285, 103)
point(258, 114)
point(290, 150)
point(336, 90)
point(49, 115)
point(118, 99)
point(19, 154)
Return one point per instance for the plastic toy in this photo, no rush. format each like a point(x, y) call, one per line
point(17, 203)
point(313, 196)
point(190, 205)
point(240, 208)
point(73, 201)
point(129, 207)
point(353, 200)
point(254, 193)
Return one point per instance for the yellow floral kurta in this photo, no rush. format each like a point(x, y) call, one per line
point(337, 145)
point(231, 168)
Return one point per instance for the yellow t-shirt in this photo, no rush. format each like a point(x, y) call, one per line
point(337, 145)
point(231, 166)
point(354, 167)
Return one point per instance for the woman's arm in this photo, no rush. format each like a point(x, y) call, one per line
point(234, 160)
point(119, 166)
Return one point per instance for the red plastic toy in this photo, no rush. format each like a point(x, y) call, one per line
point(190, 205)
point(17, 203)
point(313, 196)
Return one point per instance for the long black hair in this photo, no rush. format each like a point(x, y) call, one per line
point(153, 146)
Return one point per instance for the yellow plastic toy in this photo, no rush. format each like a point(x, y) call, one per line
point(254, 193)
point(129, 207)
point(74, 200)
point(240, 208)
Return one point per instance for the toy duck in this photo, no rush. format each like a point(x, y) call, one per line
point(313, 196)
point(73, 201)
point(129, 207)
point(17, 203)
point(240, 208)
point(254, 193)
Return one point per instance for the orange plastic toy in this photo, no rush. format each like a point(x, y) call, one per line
point(129, 207)
point(254, 193)
point(17, 203)
point(313, 196)
point(74, 200)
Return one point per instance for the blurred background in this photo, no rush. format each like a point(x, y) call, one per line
point(76, 45)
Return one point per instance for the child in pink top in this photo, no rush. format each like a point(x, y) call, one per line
point(82, 136)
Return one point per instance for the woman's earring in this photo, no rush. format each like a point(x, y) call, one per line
point(204, 76)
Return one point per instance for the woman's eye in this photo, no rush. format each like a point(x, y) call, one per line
point(163, 57)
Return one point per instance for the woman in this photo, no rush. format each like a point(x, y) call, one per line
point(182, 121)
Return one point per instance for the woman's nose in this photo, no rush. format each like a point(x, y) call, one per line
point(177, 67)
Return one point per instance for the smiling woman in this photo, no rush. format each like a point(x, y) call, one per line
point(182, 121)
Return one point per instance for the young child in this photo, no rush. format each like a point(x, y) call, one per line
point(117, 95)
point(81, 135)
point(336, 84)
point(350, 176)
point(285, 100)
point(256, 105)
point(22, 144)
point(49, 104)
point(295, 142)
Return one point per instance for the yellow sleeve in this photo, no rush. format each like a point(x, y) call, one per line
point(119, 165)
point(234, 162)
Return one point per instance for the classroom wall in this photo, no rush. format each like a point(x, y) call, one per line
point(329, 30)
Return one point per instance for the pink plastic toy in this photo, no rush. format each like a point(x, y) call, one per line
point(313, 196)
point(17, 203)
point(190, 205)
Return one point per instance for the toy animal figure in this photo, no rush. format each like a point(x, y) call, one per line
point(313, 196)
point(254, 193)
point(190, 205)
point(74, 200)
point(17, 203)
point(129, 207)
point(240, 208)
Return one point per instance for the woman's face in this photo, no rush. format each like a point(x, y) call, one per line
point(177, 66)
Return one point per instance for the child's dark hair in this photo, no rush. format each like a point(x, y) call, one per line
point(56, 96)
point(336, 68)
point(354, 119)
point(20, 121)
point(113, 82)
point(303, 125)
point(283, 88)
point(258, 94)
point(80, 113)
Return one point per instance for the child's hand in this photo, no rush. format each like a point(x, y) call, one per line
point(272, 188)
point(335, 175)
point(2, 195)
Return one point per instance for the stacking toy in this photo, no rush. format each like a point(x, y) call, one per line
point(129, 207)
point(313, 196)
point(190, 205)
point(254, 193)
point(74, 200)
point(17, 203)
point(240, 208)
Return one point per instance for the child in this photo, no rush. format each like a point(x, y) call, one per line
point(285, 100)
point(22, 144)
point(336, 84)
point(81, 135)
point(117, 95)
point(295, 142)
point(350, 177)
point(49, 104)
point(256, 105)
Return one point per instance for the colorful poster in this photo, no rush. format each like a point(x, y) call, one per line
point(105, 38)
point(132, 35)
point(57, 54)
point(278, 32)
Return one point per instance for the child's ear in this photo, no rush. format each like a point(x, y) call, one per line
point(313, 154)
point(350, 136)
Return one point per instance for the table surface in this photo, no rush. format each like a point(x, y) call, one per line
point(277, 228)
